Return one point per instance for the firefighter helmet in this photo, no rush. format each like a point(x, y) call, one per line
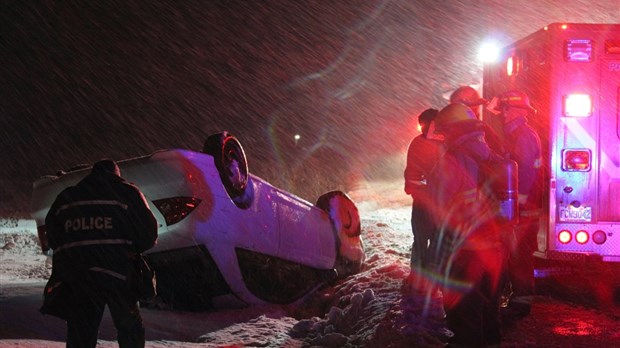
point(467, 95)
point(427, 116)
point(452, 114)
point(515, 99)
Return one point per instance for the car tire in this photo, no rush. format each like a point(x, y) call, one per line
point(231, 163)
point(346, 221)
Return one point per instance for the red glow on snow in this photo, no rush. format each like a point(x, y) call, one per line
point(577, 327)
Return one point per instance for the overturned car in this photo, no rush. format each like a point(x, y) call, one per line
point(226, 237)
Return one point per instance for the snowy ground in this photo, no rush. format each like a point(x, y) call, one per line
point(370, 309)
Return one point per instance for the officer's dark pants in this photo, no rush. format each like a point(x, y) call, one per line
point(423, 234)
point(472, 296)
point(521, 261)
point(87, 312)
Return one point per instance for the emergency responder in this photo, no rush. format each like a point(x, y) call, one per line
point(472, 256)
point(468, 96)
point(94, 229)
point(422, 156)
point(523, 146)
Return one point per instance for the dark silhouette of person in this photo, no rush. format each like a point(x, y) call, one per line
point(422, 156)
point(469, 97)
point(95, 228)
point(471, 254)
point(522, 144)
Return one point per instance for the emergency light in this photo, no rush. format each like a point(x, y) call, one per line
point(612, 47)
point(576, 160)
point(577, 105)
point(578, 50)
point(512, 66)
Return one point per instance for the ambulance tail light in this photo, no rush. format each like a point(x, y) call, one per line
point(582, 237)
point(599, 237)
point(576, 160)
point(565, 236)
point(577, 105)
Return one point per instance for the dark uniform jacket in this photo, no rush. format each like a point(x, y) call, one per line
point(523, 145)
point(422, 157)
point(96, 226)
point(465, 209)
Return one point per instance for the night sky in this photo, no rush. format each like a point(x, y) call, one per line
point(84, 80)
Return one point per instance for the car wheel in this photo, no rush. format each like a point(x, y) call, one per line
point(230, 162)
point(346, 221)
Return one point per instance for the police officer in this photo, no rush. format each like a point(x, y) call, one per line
point(422, 156)
point(522, 144)
point(94, 229)
point(472, 254)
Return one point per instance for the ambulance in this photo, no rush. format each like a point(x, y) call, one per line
point(571, 72)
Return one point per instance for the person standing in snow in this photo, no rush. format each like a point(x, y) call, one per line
point(472, 255)
point(523, 146)
point(95, 228)
point(422, 156)
point(469, 97)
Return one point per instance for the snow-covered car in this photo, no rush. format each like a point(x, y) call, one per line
point(228, 238)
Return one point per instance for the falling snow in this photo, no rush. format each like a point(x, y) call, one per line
point(322, 96)
point(82, 81)
point(369, 309)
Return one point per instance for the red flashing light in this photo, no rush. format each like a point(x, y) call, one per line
point(612, 47)
point(565, 236)
point(576, 160)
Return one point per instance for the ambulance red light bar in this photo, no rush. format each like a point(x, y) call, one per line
point(577, 105)
point(576, 160)
point(578, 50)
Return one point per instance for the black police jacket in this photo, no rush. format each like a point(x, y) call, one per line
point(96, 226)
